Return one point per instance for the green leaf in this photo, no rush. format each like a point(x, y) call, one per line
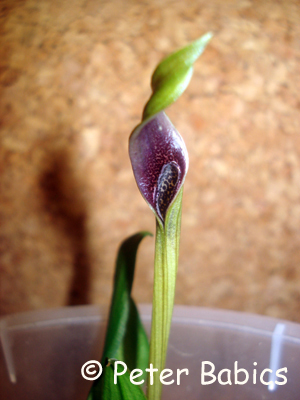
point(126, 338)
point(121, 301)
point(129, 391)
point(172, 76)
point(123, 389)
point(134, 349)
point(105, 388)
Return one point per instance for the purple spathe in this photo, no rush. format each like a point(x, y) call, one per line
point(152, 146)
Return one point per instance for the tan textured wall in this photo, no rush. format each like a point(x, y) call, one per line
point(74, 78)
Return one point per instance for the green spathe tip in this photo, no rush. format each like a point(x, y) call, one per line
point(172, 76)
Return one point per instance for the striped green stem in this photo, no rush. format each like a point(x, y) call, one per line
point(165, 271)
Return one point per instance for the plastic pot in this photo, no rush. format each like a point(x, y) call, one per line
point(42, 354)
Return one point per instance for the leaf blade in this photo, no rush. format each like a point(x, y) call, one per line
point(134, 349)
point(124, 324)
point(121, 303)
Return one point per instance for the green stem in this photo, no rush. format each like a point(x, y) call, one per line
point(169, 81)
point(165, 270)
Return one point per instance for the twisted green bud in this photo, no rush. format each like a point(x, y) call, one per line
point(172, 76)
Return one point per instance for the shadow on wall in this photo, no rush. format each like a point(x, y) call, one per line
point(63, 200)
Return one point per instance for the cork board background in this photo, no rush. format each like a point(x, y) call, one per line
point(74, 77)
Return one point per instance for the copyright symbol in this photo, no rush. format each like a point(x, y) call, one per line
point(88, 370)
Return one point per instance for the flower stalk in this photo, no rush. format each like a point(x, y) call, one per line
point(165, 271)
point(160, 162)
